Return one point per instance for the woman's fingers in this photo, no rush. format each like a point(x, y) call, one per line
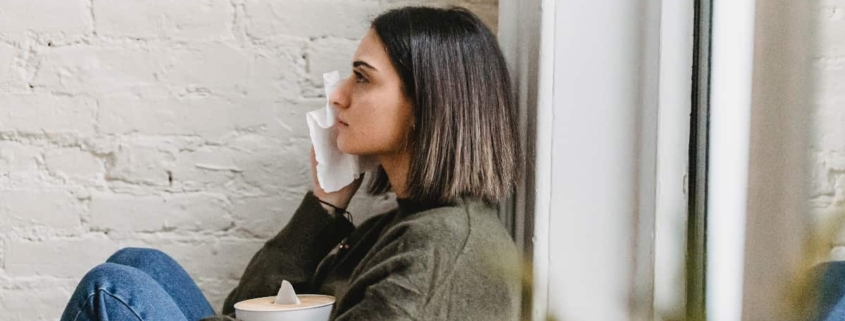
point(340, 198)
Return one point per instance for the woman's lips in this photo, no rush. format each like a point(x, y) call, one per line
point(341, 123)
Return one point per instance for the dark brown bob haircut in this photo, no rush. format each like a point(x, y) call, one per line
point(465, 143)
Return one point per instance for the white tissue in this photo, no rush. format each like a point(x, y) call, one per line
point(286, 294)
point(334, 168)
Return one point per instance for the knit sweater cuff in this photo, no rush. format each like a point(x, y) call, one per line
point(312, 231)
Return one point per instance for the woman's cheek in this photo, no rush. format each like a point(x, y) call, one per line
point(348, 142)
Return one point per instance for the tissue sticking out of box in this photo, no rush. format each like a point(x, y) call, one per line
point(286, 294)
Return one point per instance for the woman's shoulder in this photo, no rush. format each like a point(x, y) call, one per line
point(470, 254)
point(465, 224)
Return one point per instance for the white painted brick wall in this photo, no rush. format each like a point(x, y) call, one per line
point(177, 125)
point(828, 148)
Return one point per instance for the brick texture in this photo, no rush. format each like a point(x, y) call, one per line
point(827, 154)
point(172, 124)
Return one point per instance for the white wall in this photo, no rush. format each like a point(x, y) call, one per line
point(828, 117)
point(177, 125)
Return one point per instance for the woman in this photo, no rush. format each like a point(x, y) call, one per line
point(430, 98)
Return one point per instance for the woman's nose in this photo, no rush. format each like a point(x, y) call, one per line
point(340, 97)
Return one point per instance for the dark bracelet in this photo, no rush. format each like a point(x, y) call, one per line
point(344, 212)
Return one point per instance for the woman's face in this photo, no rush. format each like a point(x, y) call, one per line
point(374, 116)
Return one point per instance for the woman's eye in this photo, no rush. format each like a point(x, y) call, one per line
point(359, 78)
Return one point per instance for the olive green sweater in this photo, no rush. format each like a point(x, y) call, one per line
point(414, 263)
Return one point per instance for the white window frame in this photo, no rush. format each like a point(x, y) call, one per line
point(591, 239)
point(616, 263)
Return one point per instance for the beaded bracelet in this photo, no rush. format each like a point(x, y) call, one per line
point(338, 209)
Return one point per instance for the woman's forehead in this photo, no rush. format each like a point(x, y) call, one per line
point(372, 51)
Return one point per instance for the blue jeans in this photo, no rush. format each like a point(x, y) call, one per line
point(137, 284)
point(831, 278)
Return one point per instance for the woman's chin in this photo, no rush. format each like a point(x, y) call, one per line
point(345, 149)
point(350, 151)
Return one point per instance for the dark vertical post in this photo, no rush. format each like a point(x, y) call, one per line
point(699, 131)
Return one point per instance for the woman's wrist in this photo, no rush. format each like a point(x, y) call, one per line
point(334, 200)
point(332, 206)
point(336, 210)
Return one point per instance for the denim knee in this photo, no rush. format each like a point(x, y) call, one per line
point(112, 291)
point(159, 268)
point(95, 293)
point(104, 271)
point(132, 256)
point(110, 275)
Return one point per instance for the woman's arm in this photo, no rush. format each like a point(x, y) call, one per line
point(293, 254)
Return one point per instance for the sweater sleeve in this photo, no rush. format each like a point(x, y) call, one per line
point(293, 254)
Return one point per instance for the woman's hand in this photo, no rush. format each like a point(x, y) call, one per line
point(339, 198)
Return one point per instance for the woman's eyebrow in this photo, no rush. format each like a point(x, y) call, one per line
point(361, 63)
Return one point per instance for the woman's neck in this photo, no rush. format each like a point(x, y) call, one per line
point(396, 166)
